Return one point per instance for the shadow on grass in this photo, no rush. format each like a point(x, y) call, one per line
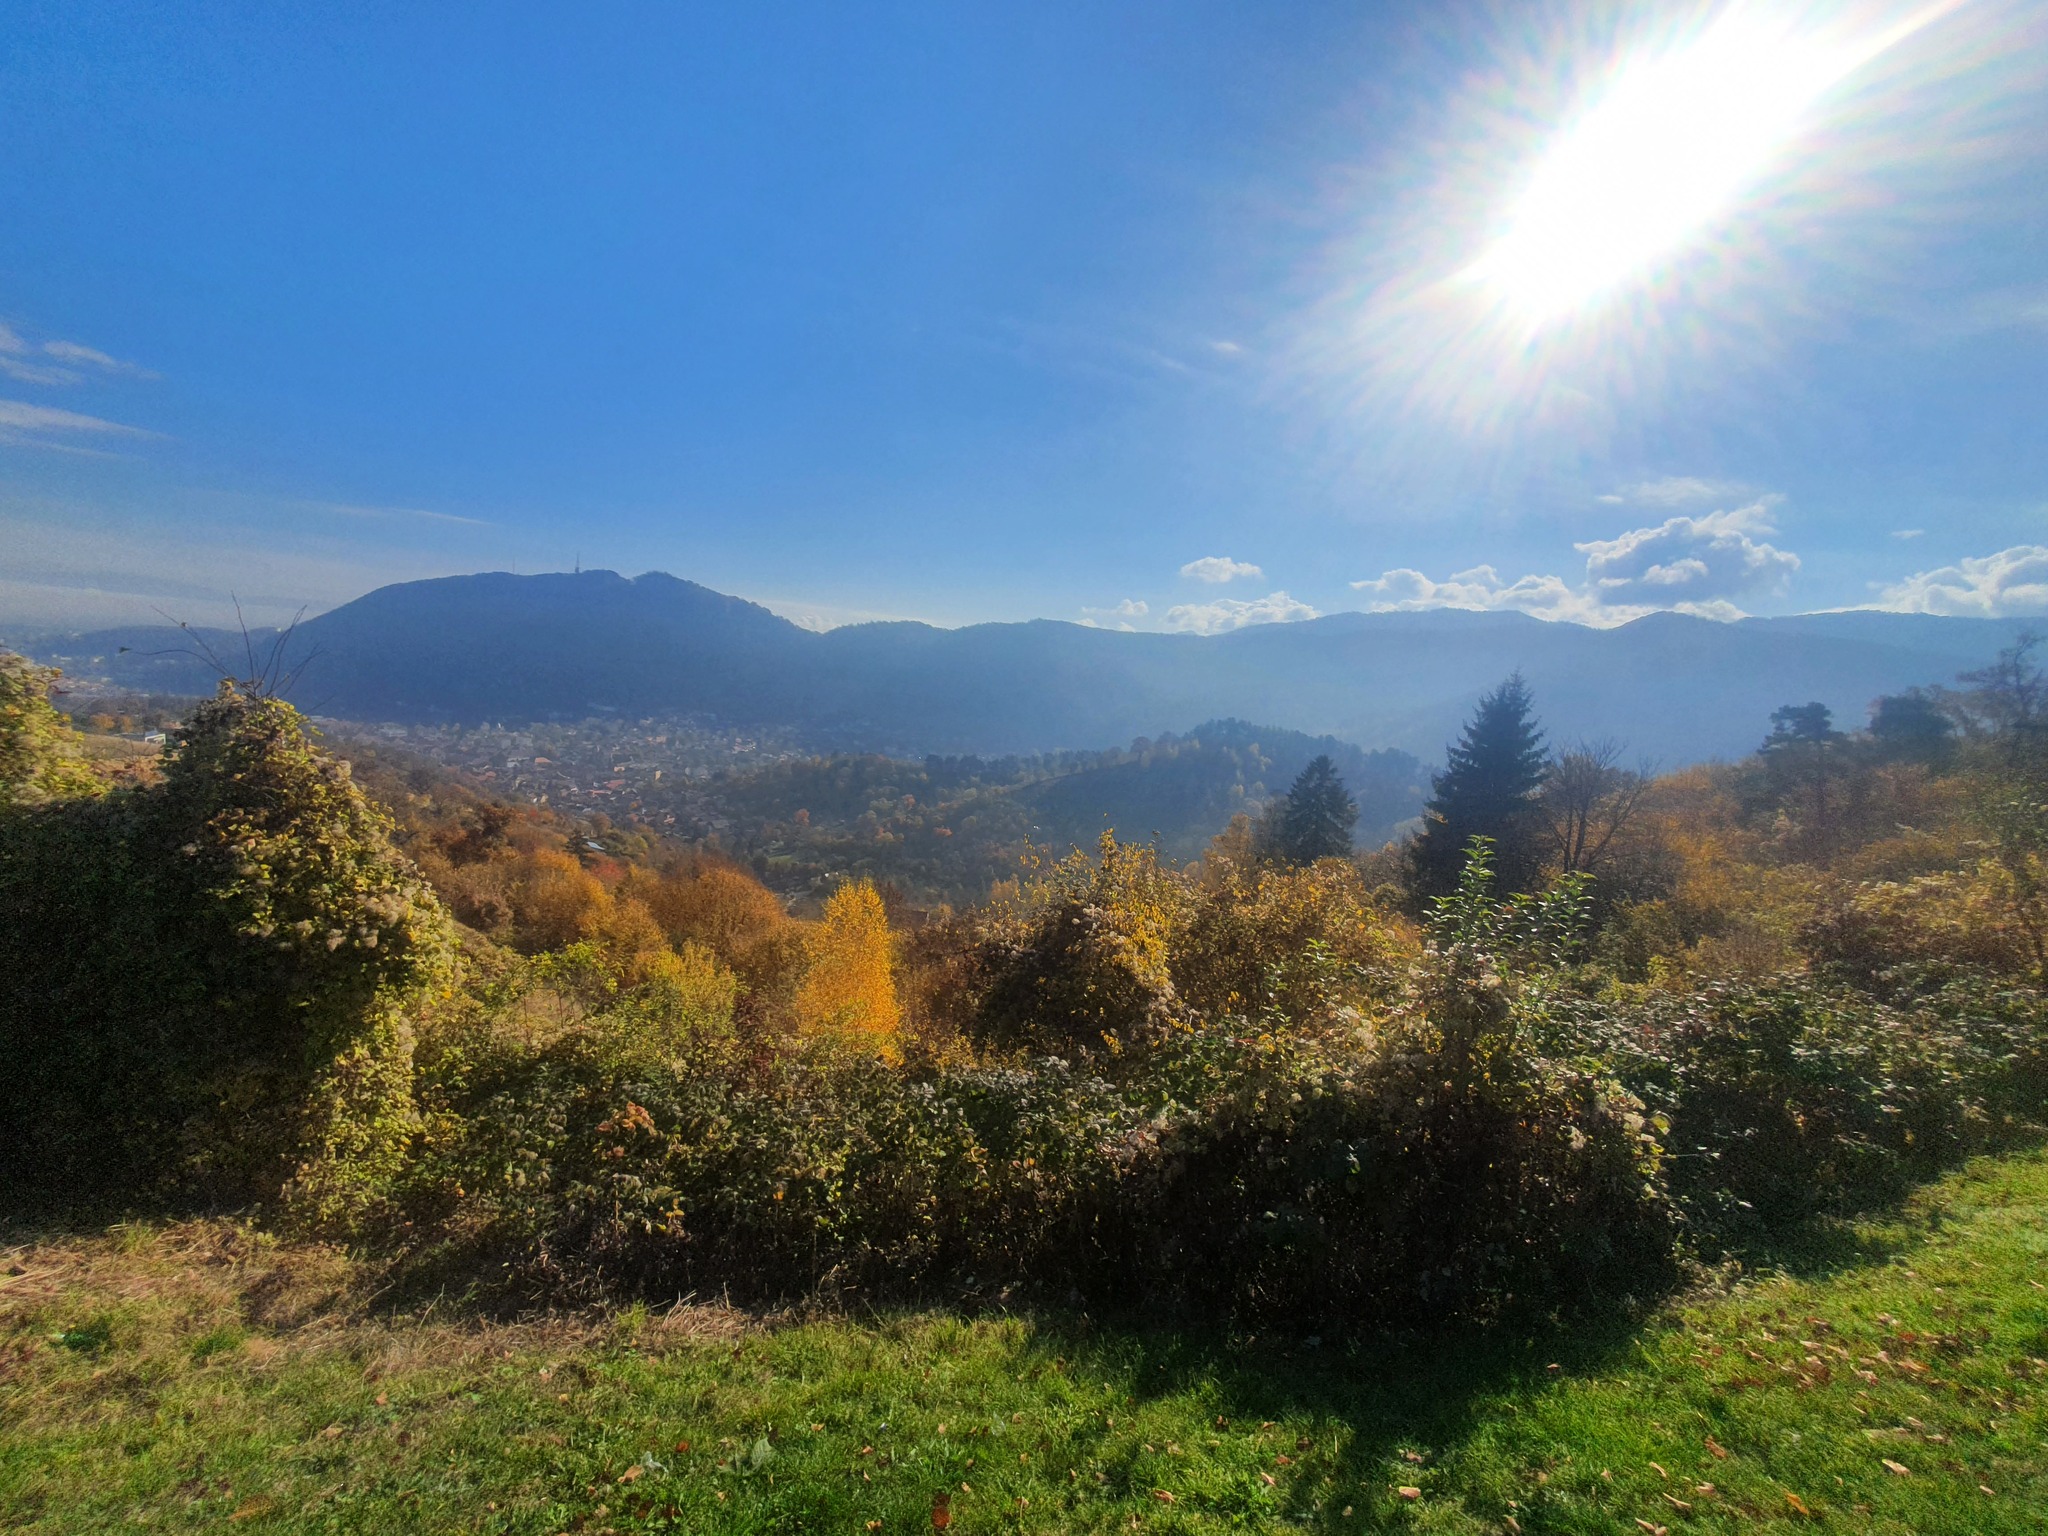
point(1392, 1392)
point(1387, 1394)
point(1881, 1224)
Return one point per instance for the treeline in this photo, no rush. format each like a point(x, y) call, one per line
point(941, 830)
point(1588, 1025)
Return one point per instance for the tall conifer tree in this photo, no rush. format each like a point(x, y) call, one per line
point(1487, 789)
point(1316, 818)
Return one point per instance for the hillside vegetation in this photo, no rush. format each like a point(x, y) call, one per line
point(1591, 1037)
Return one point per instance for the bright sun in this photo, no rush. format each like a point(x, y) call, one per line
point(1671, 143)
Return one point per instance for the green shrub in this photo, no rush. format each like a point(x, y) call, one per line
point(209, 980)
point(1800, 1097)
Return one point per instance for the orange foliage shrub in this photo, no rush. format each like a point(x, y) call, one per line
point(717, 905)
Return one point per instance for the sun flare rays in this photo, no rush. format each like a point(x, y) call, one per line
point(1607, 219)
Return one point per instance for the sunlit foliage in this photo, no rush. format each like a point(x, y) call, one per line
point(849, 988)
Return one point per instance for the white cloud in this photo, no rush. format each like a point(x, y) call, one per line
point(31, 426)
point(93, 357)
point(1231, 613)
point(1669, 491)
point(1692, 565)
point(1219, 568)
point(36, 373)
point(2011, 583)
point(1908, 533)
point(1120, 616)
point(349, 509)
point(69, 357)
point(1697, 559)
point(1481, 590)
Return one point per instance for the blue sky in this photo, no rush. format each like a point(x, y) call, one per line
point(1140, 314)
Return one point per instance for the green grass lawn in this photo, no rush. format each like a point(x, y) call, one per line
point(197, 1376)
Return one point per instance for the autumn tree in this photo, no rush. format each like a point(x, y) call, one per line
point(39, 752)
point(1487, 789)
point(1587, 801)
point(1082, 963)
point(1315, 820)
point(849, 988)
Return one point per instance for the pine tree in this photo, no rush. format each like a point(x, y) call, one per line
point(1487, 789)
point(1803, 745)
point(1316, 818)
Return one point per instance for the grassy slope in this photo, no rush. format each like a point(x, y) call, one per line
point(179, 1378)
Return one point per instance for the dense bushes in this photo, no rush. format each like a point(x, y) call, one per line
point(1325, 1163)
point(1252, 1174)
point(1795, 1098)
point(207, 979)
point(1236, 1086)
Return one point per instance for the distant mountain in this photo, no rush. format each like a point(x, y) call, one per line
point(518, 648)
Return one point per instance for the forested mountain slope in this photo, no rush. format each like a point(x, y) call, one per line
point(504, 647)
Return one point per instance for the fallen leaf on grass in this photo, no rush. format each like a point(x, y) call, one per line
point(1678, 1504)
point(1164, 1497)
point(1660, 1471)
point(1797, 1505)
point(1897, 1469)
point(1409, 1493)
point(1720, 1451)
point(631, 1474)
point(942, 1513)
point(1653, 1528)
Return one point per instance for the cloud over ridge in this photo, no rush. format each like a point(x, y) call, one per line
point(2012, 583)
point(1695, 565)
point(1227, 613)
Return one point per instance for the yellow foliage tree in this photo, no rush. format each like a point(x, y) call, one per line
point(849, 987)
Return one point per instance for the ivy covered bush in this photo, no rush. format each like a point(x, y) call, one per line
point(209, 979)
